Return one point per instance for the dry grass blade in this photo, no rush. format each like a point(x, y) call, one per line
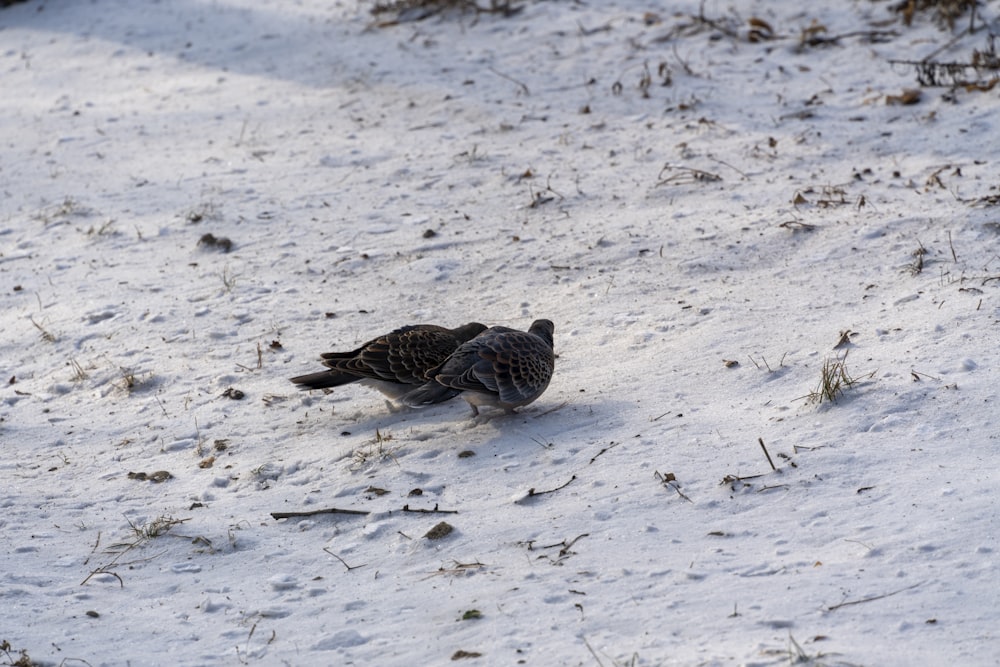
point(981, 72)
point(79, 375)
point(46, 334)
point(797, 226)
point(834, 380)
point(155, 528)
point(143, 533)
point(457, 569)
point(679, 175)
point(375, 451)
point(669, 481)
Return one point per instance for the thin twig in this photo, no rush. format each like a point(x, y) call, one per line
point(566, 546)
point(457, 568)
point(761, 441)
point(872, 35)
point(679, 174)
point(92, 551)
point(406, 508)
point(532, 493)
point(591, 649)
point(669, 481)
point(342, 561)
point(930, 56)
point(873, 597)
point(771, 487)
point(102, 570)
point(329, 510)
point(723, 162)
point(551, 410)
point(732, 479)
point(521, 85)
point(608, 448)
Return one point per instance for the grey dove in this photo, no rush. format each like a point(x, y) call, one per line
point(394, 363)
point(501, 367)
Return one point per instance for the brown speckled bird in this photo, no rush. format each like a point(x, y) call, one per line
point(394, 363)
point(501, 367)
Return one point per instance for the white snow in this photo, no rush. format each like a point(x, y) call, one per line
point(765, 201)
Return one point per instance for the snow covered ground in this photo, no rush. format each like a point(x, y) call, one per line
point(712, 201)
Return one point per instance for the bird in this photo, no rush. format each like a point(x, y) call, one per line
point(393, 363)
point(501, 367)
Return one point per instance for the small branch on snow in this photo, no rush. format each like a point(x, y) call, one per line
point(732, 480)
point(669, 481)
point(406, 508)
point(761, 441)
point(532, 493)
point(342, 561)
point(566, 546)
point(329, 510)
point(336, 510)
point(608, 448)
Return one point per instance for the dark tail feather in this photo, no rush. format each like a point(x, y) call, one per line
point(428, 393)
point(324, 380)
point(338, 356)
